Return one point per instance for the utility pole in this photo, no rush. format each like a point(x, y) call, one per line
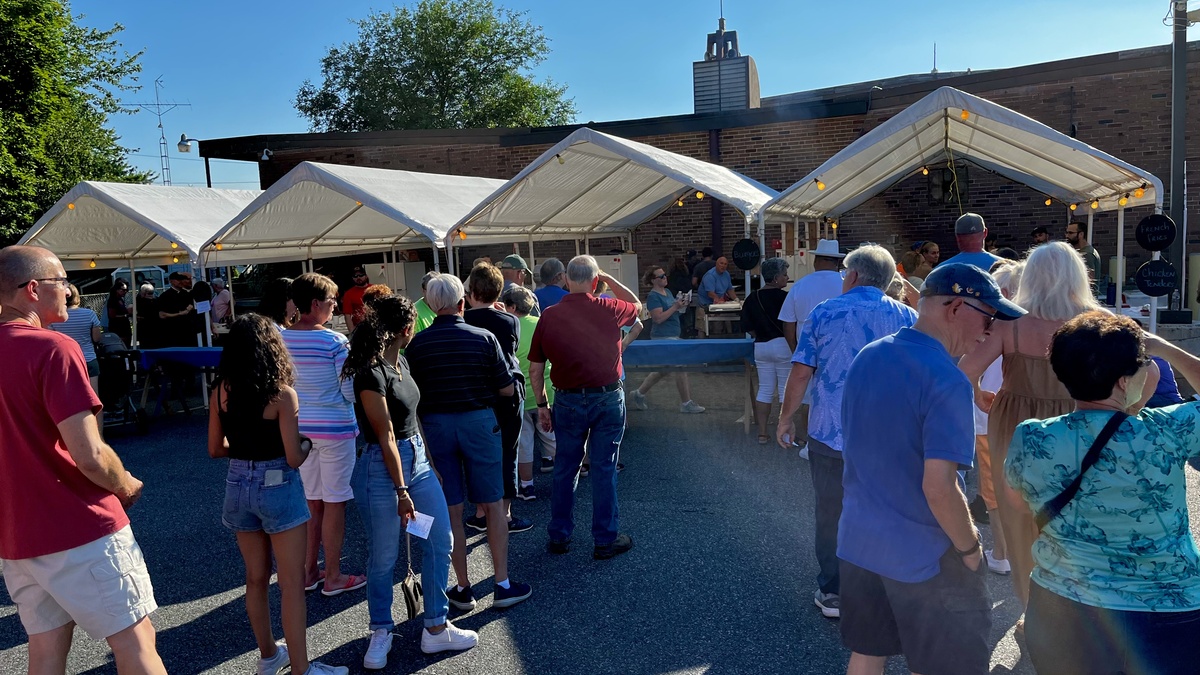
point(1177, 255)
point(159, 108)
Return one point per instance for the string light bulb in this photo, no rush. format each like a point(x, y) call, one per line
point(174, 258)
point(220, 246)
point(70, 207)
point(924, 171)
point(1074, 206)
point(965, 115)
point(92, 264)
point(833, 225)
point(357, 203)
point(1123, 200)
point(678, 202)
point(1048, 201)
point(1095, 204)
point(699, 195)
point(560, 159)
point(1140, 192)
point(462, 234)
point(820, 184)
point(174, 245)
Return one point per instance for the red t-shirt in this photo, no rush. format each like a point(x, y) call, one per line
point(581, 336)
point(352, 303)
point(46, 504)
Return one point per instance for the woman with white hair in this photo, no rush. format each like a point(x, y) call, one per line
point(1053, 288)
point(222, 302)
point(772, 357)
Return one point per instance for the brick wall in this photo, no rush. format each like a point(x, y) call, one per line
point(1126, 114)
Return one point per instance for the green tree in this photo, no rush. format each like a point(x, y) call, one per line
point(444, 64)
point(58, 85)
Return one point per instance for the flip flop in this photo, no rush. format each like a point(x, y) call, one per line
point(763, 440)
point(353, 583)
point(316, 584)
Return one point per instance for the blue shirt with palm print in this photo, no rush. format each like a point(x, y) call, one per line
point(1123, 542)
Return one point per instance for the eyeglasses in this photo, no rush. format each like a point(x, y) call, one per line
point(659, 276)
point(60, 281)
point(359, 274)
point(991, 318)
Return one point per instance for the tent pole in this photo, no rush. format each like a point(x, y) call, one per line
point(1157, 255)
point(135, 290)
point(795, 235)
point(531, 259)
point(576, 247)
point(1090, 218)
point(762, 236)
point(437, 262)
point(1120, 280)
point(746, 235)
point(587, 245)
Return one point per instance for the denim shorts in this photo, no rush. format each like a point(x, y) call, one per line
point(465, 448)
point(263, 496)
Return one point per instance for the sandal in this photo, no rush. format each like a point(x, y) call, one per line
point(316, 584)
point(353, 583)
point(763, 439)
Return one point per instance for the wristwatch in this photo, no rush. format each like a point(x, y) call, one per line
point(402, 488)
point(544, 404)
point(977, 548)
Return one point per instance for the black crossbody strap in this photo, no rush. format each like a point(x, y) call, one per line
point(1052, 508)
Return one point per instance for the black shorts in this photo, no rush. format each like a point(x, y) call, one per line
point(1070, 638)
point(941, 625)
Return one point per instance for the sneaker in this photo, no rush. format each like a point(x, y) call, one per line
point(638, 399)
point(979, 512)
point(830, 604)
point(272, 665)
point(620, 545)
point(804, 451)
point(519, 525)
point(997, 566)
point(558, 547)
point(462, 600)
point(451, 639)
point(377, 650)
point(507, 597)
point(525, 493)
point(477, 523)
point(547, 465)
point(318, 668)
point(691, 407)
point(584, 470)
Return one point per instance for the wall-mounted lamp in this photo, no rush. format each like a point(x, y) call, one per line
point(185, 143)
point(266, 156)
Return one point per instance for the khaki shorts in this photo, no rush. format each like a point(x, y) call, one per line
point(701, 313)
point(103, 586)
point(327, 471)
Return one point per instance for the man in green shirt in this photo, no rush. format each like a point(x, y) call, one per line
point(1077, 237)
point(425, 316)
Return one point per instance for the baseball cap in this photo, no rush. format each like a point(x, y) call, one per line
point(968, 281)
point(969, 223)
point(514, 262)
point(1040, 229)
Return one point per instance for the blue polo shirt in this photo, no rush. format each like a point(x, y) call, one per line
point(717, 282)
point(981, 259)
point(906, 402)
point(548, 296)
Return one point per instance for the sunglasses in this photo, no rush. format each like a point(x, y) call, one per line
point(659, 276)
point(991, 318)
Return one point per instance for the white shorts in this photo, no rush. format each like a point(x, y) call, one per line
point(531, 432)
point(327, 470)
point(103, 586)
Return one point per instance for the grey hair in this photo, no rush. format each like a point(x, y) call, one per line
point(582, 269)
point(519, 298)
point(146, 288)
point(550, 269)
point(218, 281)
point(874, 264)
point(773, 267)
point(444, 291)
point(429, 276)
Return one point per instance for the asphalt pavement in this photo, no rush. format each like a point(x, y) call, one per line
point(720, 579)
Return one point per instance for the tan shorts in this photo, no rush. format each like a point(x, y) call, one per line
point(701, 313)
point(327, 471)
point(102, 586)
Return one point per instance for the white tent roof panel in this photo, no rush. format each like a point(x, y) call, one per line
point(112, 223)
point(593, 183)
point(932, 132)
point(322, 210)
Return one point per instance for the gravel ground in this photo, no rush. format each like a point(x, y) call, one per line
point(720, 580)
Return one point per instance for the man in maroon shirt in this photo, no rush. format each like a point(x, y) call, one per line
point(69, 554)
point(581, 336)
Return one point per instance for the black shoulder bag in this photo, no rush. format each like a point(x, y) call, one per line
point(1052, 508)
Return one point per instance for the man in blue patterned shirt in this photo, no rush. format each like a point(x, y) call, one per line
point(830, 338)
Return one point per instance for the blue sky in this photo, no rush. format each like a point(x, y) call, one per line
point(239, 64)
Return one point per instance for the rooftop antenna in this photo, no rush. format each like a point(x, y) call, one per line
point(935, 72)
point(160, 108)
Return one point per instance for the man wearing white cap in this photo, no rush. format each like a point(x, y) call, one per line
point(970, 233)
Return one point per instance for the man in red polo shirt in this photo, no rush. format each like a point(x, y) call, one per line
point(352, 300)
point(69, 554)
point(581, 336)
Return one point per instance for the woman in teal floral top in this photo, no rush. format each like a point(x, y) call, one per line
point(1116, 582)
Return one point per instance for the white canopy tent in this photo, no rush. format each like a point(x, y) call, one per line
point(591, 184)
point(116, 224)
point(950, 125)
point(320, 210)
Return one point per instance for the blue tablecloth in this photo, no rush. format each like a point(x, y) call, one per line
point(199, 357)
point(642, 353)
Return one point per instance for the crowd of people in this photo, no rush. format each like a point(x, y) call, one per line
point(1011, 367)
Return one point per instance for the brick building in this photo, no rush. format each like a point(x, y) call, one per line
point(1117, 102)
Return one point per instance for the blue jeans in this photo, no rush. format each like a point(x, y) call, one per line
point(375, 495)
point(599, 421)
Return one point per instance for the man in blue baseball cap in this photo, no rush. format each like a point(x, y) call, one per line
point(911, 560)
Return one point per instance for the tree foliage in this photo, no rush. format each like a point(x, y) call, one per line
point(58, 85)
point(444, 64)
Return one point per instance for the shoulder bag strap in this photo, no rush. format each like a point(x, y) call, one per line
point(1052, 508)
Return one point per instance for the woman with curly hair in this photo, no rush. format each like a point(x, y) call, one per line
point(253, 420)
point(393, 479)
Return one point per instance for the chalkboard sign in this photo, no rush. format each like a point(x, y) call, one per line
point(1155, 233)
point(1156, 278)
point(746, 254)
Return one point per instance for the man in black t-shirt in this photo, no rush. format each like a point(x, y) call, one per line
point(175, 311)
point(483, 290)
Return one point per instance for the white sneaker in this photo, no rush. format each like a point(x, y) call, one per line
point(272, 665)
point(638, 399)
point(451, 639)
point(377, 651)
point(804, 451)
point(830, 604)
point(318, 668)
point(997, 566)
point(690, 407)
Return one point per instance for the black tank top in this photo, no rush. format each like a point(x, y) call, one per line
point(251, 437)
